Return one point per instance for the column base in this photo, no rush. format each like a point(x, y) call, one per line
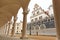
point(57, 38)
point(23, 37)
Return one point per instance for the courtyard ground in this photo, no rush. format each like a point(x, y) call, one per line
point(43, 37)
point(33, 37)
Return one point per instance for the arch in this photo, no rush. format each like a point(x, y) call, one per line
point(11, 7)
point(42, 26)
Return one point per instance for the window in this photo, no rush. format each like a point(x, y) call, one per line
point(45, 20)
point(35, 19)
point(52, 18)
point(17, 32)
point(37, 12)
point(17, 27)
point(48, 19)
point(33, 14)
point(17, 24)
point(32, 20)
point(40, 17)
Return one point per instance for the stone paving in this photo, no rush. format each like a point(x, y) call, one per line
point(49, 31)
point(11, 38)
point(40, 32)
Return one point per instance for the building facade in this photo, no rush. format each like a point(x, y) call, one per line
point(40, 19)
point(7, 28)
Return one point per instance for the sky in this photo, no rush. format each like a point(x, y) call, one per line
point(42, 3)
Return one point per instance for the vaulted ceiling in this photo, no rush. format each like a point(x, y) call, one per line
point(9, 8)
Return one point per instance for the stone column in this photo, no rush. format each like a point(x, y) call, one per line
point(56, 7)
point(13, 28)
point(8, 28)
point(24, 24)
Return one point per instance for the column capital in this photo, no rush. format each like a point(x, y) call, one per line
point(25, 12)
point(9, 22)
